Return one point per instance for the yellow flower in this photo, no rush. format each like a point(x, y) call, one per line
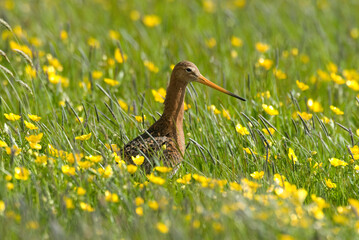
point(24, 48)
point(262, 47)
point(265, 63)
point(226, 114)
point(285, 237)
point(30, 125)
point(80, 191)
point(236, 41)
point(96, 74)
point(336, 162)
point(257, 175)
point(217, 227)
point(107, 172)
point(292, 155)
point(326, 120)
point(208, 6)
point(111, 82)
point(151, 20)
point(86, 207)
point(332, 68)
point(353, 84)
point(302, 86)
point(140, 118)
point(304, 58)
point(314, 105)
point(3, 144)
point(156, 180)
point(323, 75)
point(354, 33)
point(265, 94)
point(214, 109)
point(120, 58)
point(131, 168)
point(139, 201)
point(330, 184)
point(186, 106)
point(234, 53)
point(162, 169)
point(336, 110)
point(351, 74)
point(32, 225)
point(279, 74)
point(239, 3)
point(111, 197)
point(279, 179)
point(13, 150)
point(69, 203)
point(31, 72)
point(270, 110)
point(114, 35)
point(211, 42)
point(138, 160)
point(235, 186)
point(306, 116)
point(70, 157)
point(10, 186)
point(355, 149)
point(2, 206)
point(85, 164)
point(41, 159)
point(123, 105)
point(93, 42)
point(34, 118)
point(84, 137)
point(63, 35)
point(153, 205)
point(34, 138)
point(95, 159)
point(319, 201)
point(241, 130)
point(162, 227)
point(248, 151)
point(66, 169)
point(134, 15)
point(151, 66)
point(186, 179)
point(294, 51)
point(354, 203)
point(159, 95)
point(8, 177)
point(139, 211)
point(271, 130)
point(12, 117)
point(35, 146)
point(21, 173)
point(337, 78)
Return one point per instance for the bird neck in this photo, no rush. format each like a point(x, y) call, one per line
point(174, 103)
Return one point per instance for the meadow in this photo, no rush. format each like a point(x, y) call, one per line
point(79, 79)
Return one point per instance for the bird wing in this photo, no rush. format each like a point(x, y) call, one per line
point(154, 148)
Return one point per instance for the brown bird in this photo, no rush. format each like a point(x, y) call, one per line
point(164, 141)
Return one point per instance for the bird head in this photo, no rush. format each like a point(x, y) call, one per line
point(188, 72)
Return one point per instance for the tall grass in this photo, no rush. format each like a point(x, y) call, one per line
point(305, 38)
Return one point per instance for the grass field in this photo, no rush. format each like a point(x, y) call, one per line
point(282, 165)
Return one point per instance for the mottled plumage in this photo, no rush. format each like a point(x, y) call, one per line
point(164, 140)
point(155, 146)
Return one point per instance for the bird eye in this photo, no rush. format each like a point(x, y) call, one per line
point(188, 70)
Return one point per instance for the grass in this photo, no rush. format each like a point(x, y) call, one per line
point(315, 42)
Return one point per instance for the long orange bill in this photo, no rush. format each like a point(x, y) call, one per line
point(205, 81)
